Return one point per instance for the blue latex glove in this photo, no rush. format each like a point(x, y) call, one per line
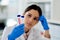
point(44, 22)
point(17, 31)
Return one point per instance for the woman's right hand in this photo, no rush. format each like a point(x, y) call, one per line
point(17, 31)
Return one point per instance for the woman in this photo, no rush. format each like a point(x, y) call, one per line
point(32, 15)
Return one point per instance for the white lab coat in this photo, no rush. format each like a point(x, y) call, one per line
point(34, 34)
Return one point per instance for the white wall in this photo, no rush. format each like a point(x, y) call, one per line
point(12, 8)
point(3, 13)
point(56, 10)
point(22, 6)
point(39, 1)
point(18, 6)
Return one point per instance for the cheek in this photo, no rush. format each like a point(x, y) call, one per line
point(25, 19)
point(35, 22)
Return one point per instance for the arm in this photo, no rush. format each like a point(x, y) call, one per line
point(45, 26)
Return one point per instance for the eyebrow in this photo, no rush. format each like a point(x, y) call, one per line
point(31, 14)
point(37, 17)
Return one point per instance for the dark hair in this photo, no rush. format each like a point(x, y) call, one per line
point(35, 7)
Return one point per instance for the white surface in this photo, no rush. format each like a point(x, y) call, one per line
point(55, 32)
point(54, 21)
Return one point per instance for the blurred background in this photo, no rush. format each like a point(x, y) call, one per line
point(9, 9)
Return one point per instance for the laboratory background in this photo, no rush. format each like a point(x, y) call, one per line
point(9, 9)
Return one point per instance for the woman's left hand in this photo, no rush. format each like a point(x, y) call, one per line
point(46, 34)
point(44, 22)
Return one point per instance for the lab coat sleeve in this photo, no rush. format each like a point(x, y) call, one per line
point(7, 30)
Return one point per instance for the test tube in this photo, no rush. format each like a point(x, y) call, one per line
point(19, 20)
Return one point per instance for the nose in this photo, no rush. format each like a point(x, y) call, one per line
point(31, 20)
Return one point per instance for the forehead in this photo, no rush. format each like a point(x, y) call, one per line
point(33, 12)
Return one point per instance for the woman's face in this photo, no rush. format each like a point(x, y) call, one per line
point(31, 18)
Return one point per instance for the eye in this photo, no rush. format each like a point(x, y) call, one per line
point(29, 15)
point(36, 19)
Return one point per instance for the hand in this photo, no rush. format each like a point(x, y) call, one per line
point(17, 31)
point(46, 34)
point(44, 22)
